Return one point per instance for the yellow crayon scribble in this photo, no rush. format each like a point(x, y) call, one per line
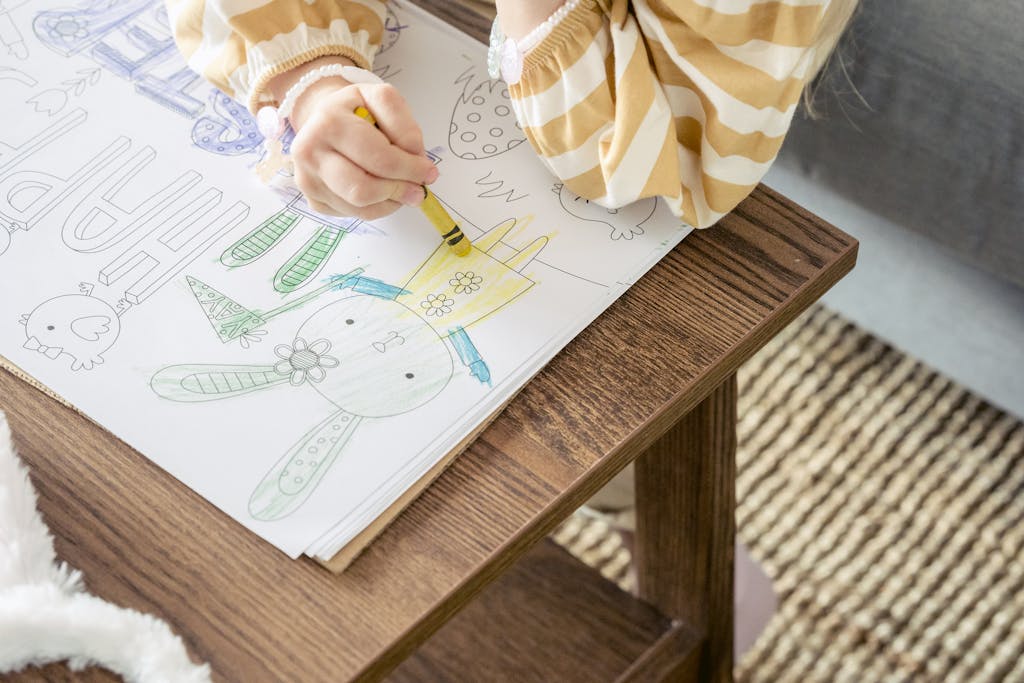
point(458, 291)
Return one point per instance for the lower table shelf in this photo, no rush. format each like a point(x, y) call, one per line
point(552, 618)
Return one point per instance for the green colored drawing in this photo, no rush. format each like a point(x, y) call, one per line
point(260, 239)
point(231, 320)
point(380, 351)
point(302, 468)
point(309, 260)
point(198, 383)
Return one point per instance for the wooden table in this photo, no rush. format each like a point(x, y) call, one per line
point(652, 380)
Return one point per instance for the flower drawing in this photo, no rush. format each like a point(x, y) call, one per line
point(465, 283)
point(303, 362)
point(437, 304)
point(67, 28)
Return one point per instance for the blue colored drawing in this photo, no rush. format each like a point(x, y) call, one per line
point(172, 91)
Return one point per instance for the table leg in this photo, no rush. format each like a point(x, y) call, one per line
point(685, 504)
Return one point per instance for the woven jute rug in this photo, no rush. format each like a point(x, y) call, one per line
point(887, 505)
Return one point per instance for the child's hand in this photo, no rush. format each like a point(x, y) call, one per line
point(343, 164)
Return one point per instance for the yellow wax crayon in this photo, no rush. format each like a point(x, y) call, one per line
point(433, 210)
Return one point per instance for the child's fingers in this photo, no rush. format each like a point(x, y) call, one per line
point(384, 150)
point(336, 186)
point(316, 193)
point(354, 185)
point(394, 117)
point(372, 151)
point(332, 205)
point(338, 130)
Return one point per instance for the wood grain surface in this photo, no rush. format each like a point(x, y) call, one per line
point(548, 618)
point(686, 526)
point(145, 540)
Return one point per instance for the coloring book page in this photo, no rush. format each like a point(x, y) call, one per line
point(300, 371)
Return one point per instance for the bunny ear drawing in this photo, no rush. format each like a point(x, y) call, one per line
point(196, 383)
point(296, 475)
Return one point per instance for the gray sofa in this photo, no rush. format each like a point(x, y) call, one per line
point(933, 139)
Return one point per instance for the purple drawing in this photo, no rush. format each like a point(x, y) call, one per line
point(229, 129)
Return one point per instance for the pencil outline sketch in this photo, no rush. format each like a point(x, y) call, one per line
point(53, 100)
point(484, 103)
point(10, 35)
point(11, 158)
point(81, 326)
point(496, 189)
point(158, 236)
point(9, 73)
point(630, 219)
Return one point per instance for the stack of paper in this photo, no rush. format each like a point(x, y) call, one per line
point(300, 371)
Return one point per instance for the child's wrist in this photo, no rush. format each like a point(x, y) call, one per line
point(306, 103)
point(282, 83)
point(301, 108)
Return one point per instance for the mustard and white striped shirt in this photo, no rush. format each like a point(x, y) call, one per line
point(625, 99)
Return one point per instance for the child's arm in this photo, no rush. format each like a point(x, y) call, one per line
point(684, 99)
point(255, 51)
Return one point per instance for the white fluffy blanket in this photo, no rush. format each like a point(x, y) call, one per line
point(45, 613)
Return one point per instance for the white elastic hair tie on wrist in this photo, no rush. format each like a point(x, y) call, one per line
point(271, 121)
point(505, 55)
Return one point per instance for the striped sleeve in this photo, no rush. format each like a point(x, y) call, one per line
point(684, 99)
point(240, 45)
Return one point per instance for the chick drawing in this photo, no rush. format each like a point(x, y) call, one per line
point(625, 223)
point(377, 352)
point(77, 325)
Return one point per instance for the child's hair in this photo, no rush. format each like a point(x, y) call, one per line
point(837, 17)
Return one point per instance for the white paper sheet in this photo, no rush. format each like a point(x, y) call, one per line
point(298, 371)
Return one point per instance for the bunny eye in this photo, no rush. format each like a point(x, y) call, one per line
point(350, 321)
point(409, 375)
point(50, 328)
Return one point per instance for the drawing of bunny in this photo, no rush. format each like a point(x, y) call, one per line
point(377, 352)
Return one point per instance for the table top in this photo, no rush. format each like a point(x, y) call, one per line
point(146, 541)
